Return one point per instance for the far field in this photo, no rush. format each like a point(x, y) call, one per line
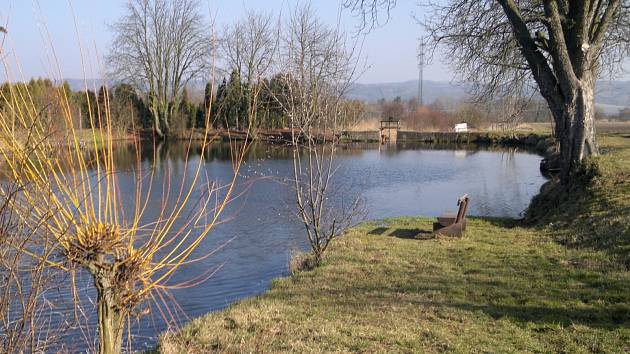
point(538, 128)
point(602, 127)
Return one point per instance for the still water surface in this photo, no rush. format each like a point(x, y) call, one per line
point(396, 181)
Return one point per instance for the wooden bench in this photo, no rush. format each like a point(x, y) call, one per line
point(451, 224)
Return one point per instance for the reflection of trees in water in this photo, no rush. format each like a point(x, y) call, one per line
point(511, 177)
point(388, 149)
point(218, 151)
point(507, 156)
point(222, 151)
point(470, 148)
point(125, 154)
point(261, 151)
point(350, 149)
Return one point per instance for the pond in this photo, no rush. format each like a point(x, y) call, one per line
point(408, 180)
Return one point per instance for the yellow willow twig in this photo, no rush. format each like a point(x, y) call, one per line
point(66, 183)
point(79, 196)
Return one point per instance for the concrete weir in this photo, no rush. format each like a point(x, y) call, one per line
point(388, 132)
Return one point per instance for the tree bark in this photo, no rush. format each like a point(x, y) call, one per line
point(575, 126)
point(567, 79)
point(111, 320)
point(165, 125)
point(160, 120)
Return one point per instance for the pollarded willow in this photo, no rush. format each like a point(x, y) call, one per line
point(69, 192)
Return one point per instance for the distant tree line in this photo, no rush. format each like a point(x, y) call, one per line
point(119, 108)
point(623, 115)
point(443, 114)
point(161, 65)
point(123, 109)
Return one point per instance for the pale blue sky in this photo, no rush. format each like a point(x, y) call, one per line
point(389, 52)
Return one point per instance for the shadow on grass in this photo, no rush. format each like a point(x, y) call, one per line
point(611, 314)
point(609, 317)
point(378, 231)
point(506, 223)
point(409, 234)
point(415, 234)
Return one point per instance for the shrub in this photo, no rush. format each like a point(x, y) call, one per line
point(302, 261)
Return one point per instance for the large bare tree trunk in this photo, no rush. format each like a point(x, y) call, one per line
point(586, 112)
point(165, 117)
point(157, 126)
point(575, 127)
point(161, 117)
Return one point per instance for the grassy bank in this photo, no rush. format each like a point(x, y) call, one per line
point(559, 285)
point(594, 213)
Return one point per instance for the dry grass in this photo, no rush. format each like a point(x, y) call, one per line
point(603, 127)
point(612, 127)
point(365, 125)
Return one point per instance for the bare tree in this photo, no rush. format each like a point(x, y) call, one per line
point(559, 47)
point(75, 201)
point(393, 109)
point(318, 69)
point(25, 320)
point(248, 48)
point(158, 47)
point(73, 208)
point(370, 12)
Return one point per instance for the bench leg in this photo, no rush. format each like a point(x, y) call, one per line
point(454, 230)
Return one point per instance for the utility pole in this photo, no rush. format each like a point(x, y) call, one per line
point(420, 71)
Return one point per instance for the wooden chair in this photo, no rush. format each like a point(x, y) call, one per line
point(451, 224)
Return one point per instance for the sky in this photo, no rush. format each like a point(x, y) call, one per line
point(67, 38)
point(389, 53)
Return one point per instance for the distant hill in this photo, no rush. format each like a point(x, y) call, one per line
point(79, 84)
point(610, 96)
point(406, 90)
point(92, 84)
point(615, 94)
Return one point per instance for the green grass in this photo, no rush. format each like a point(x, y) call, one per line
point(561, 285)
